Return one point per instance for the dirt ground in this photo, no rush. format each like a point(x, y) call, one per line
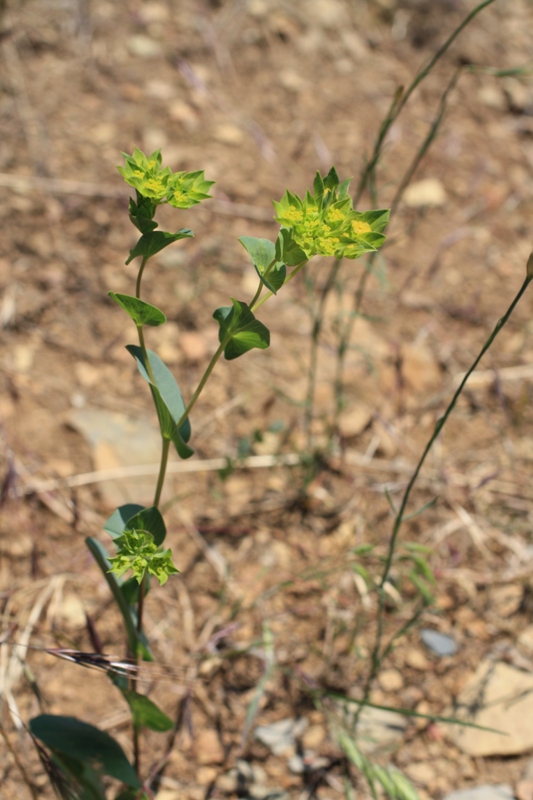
point(268, 606)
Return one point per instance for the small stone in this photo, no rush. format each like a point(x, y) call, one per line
point(72, 611)
point(168, 794)
point(184, 113)
point(227, 133)
point(104, 132)
point(280, 737)
point(87, 374)
point(428, 192)
point(327, 13)
point(492, 97)
point(22, 358)
point(352, 423)
point(421, 773)
point(419, 367)
point(153, 12)
point(524, 790)
point(143, 46)
point(17, 546)
point(439, 643)
point(314, 736)
point(291, 80)
point(209, 748)
point(417, 660)
point(500, 792)
point(160, 90)
point(206, 775)
point(506, 600)
point(390, 680)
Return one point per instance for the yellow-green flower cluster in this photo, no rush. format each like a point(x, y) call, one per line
point(160, 184)
point(325, 222)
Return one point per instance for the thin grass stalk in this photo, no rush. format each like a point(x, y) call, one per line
point(368, 176)
point(346, 332)
point(377, 655)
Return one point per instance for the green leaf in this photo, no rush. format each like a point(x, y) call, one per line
point(423, 568)
point(421, 587)
point(263, 254)
point(151, 243)
point(79, 740)
point(145, 713)
point(142, 212)
point(149, 519)
point(261, 251)
point(167, 398)
point(240, 330)
point(118, 520)
point(87, 783)
point(137, 642)
point(141, 313)
point(287, 250)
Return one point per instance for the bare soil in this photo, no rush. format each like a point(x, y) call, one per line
point(261, 94)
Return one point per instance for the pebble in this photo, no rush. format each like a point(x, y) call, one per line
point(352, 423)
point(501, 791)
point(72, 611)
point(428, 192)
point(183, 112)
point(314, 736)
point(209, 747)
point(439, 643)
point(280, 737)
point(417, 660)
point(143, 46)
point(506, 600)
point(19, 546)
point(228, 133)
point(421, 772)
point(390, 680)
point(525, 639)
point(327, 13)
point(160, 90)
point(524, 790)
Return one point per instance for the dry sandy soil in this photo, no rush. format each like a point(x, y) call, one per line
point(261, 94)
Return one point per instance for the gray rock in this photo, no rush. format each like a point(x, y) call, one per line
point(439, 643)
point(500, 792)
point(280, 737)
point(499, 697)
point(118, 441)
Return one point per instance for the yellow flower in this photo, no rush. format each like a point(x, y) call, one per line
point(360, 227)
point(335, 215)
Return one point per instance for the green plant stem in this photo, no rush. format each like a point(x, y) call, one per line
point(203, 381)
point(401, 98)
point(139, 277)
point(162, 471)
point(346, 331)
point(257, 295)
point(255, 304)
point(377, 655)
